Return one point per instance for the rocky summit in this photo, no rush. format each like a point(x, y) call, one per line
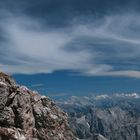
point(26, 115)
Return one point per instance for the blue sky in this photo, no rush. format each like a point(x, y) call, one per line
point(72, 46)
point(64, 84)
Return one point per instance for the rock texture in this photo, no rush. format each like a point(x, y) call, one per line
point(104, 119)
point(25, 115)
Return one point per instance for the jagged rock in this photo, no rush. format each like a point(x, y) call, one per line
point(25, 115)
point(111, 119)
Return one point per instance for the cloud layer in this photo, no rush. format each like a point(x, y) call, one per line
point(106, 46)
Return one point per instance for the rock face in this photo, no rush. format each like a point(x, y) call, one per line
point(25, 115)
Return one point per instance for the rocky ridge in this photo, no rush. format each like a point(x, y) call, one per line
point(26, 115)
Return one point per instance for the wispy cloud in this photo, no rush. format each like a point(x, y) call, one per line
point(37, 85)
point(35, 51)
point(109, 46)
point(124, 73)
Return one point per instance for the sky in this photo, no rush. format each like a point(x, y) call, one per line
point(71, 47)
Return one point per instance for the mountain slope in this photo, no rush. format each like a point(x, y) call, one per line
point(25, 115)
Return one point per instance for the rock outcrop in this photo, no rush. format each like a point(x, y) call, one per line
point(26, 115)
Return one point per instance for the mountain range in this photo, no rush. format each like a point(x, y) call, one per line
point(104, 117)
point(27, 115)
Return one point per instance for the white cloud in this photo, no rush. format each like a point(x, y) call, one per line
point(29, 49)
point(40, 51)
point(124, 73)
